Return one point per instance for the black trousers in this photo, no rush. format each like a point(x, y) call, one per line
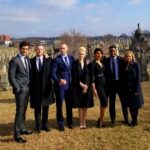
point(62, 95)
point(134, 114)
point(21, 107)
point(41, 116)
point(117, 88)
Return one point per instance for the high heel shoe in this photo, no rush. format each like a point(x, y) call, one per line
point(100, 124)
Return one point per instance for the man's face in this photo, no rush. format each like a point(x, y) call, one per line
point(113, 52)
point(39, 50)
point(24, 51)
point(63, 49)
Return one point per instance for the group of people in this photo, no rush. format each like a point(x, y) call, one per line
point(44, 81)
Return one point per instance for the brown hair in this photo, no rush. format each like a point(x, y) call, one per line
point(24, 43)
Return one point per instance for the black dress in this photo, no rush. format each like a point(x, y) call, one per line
point(80, 99)
point(99, 80)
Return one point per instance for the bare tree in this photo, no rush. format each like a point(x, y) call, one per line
point(74, 40)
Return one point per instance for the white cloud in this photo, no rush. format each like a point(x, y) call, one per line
point(90, 5)
point(101, 7)
point(60, 4)
point(19, 16)
point(136, 2)
point(105, 7)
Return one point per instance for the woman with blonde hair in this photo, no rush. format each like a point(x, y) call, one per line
point(82, 91)
point(134, 96)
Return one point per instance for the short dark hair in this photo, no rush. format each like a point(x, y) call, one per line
point(38, 44)
point(112, 46)
point(24, 43)
point(98, 50)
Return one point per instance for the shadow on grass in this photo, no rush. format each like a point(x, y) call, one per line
point(147, 129)
point(6, 129)
point(7, 101)
point(7, 140)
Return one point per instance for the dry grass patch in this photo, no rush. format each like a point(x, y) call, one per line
point(120, 137)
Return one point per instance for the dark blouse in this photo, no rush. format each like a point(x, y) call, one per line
point(98, 74)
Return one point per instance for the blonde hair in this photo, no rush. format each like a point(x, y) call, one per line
point(82, 49)
point(130, 52)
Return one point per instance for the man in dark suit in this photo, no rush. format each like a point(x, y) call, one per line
point(61, 74)
point(41, 89)
point(114, 71)
point(19, 78)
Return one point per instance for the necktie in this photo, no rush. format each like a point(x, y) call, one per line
point(113, 69)
point(40, 64)
point(66, 61)
point(26, 64)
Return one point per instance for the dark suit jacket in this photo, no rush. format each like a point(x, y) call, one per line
point(61, 71)
point(108, 71)
point(18, 75)
point(133, 85)
point(41, 90)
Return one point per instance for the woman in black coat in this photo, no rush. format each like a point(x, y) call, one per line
point(82, 90)
point(134, 94)
point(99, 84)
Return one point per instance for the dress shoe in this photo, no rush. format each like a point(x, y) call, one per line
point(112, 123)
point(46, 129)
point(70, 126)
point(38, 131)
point(26, 132)
point(20, 140)
point(61, 128)
point(133, 124)
point(125, 122)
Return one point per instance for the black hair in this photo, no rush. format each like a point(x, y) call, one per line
point(112, 46)
point(98, 50)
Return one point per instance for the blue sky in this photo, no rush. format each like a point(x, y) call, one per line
point(91, 17)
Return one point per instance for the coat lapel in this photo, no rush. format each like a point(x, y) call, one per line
point(19, 59)
point(62, 61)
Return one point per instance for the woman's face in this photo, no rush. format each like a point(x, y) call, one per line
point(82, 55)
point(98, 55)
point(129, 57)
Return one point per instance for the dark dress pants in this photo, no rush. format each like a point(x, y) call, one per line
point(116, 88)
point(41, 120)
point(21, 107)
point(62, 95)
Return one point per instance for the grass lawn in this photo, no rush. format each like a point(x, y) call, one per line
point(121, 137)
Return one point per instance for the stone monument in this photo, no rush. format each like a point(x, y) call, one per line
point(141, 48)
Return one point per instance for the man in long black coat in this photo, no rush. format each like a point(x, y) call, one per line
point(41, 89)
